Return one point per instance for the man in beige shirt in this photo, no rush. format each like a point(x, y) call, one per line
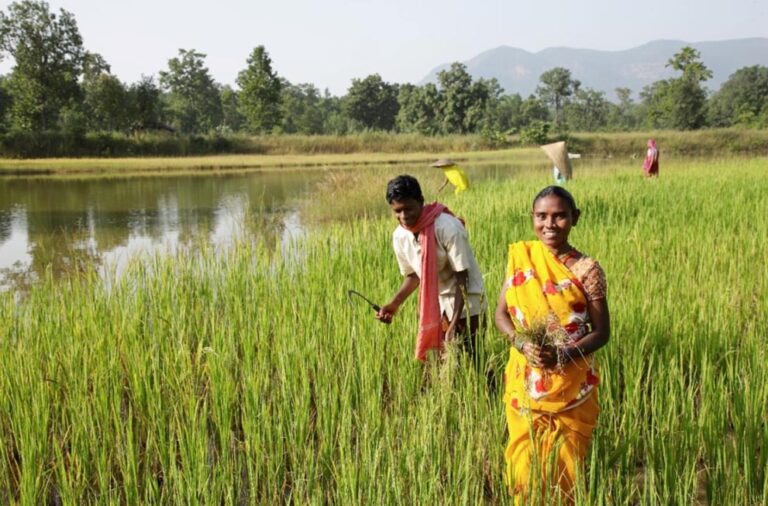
point(457, 269)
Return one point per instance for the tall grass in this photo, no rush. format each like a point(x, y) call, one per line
point(247, 378)
point(113, 144)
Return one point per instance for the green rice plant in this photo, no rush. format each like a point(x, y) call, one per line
point(246, 378)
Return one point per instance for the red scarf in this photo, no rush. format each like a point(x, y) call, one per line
point(430, 329)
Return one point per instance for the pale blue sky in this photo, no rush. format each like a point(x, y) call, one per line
point(332, 41)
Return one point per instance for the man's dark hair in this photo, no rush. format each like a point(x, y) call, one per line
point(402, 188)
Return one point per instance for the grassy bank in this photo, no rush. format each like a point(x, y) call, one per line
point(58, 145)
point(124, 166)
point(159, 145)
point(715, 142)
point(249, 379)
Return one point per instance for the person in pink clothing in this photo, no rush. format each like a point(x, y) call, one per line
point(651, 162)
point(433, 253)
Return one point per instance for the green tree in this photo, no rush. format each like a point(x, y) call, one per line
point(94, 65)
point(145, 106)
point(655, 102)
point(742, 99)
point(623, 115)
point(407, 107)
point(259, 92)
point(232, 118)
point(5, 103)
point(534, 111)
point(335, 121)
point(48, 56)
point(534, 125)
point(679, 102)
point(193, 96)
point(688, 95)
point(483, 106)
point(588, 111)
point(456, 97)
point(301, 110)
point(459, 105)
point(556, 88)
point(687, 61)
point(105, 99)
point(419, 109)
point(509, 113)
point(372, 103)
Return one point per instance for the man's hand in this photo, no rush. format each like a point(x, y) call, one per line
point(387, 311)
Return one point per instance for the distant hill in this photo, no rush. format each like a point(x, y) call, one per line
point(518, 70)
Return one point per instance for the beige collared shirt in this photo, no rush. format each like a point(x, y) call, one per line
point(453, 255)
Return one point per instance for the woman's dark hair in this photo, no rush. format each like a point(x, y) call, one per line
point(557, 191)
point(403, 188)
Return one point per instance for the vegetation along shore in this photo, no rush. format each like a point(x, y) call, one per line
point(275, 152)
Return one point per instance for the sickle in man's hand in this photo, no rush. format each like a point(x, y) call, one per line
point(350, 293)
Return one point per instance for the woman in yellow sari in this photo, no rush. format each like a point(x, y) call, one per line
point(550, 392)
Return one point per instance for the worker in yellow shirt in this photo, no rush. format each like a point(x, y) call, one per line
point(453, 175)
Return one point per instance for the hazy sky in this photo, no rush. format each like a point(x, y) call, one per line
point(329, 42)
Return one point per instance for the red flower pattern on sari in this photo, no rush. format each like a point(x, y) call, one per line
point(578, 307)
point(571, 328)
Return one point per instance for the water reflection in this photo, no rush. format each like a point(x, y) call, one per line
point(14, 241)
point(62, 225)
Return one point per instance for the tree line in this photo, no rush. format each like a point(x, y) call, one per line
point(56, 85)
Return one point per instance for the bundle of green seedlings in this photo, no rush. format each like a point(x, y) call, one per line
point(545, 332)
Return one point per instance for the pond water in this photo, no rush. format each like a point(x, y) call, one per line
point(59, 224)
point(56, 224)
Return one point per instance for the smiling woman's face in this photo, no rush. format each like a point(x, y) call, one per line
point(552, 221)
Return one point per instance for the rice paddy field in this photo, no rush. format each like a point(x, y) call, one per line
point(247, 378)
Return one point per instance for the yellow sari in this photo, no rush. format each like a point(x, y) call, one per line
point(456, 177)
point(550, 414)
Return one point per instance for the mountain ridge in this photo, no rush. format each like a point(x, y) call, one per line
point(518, 70)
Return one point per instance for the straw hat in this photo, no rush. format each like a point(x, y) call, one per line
point(443, 162)
point(559, 156)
